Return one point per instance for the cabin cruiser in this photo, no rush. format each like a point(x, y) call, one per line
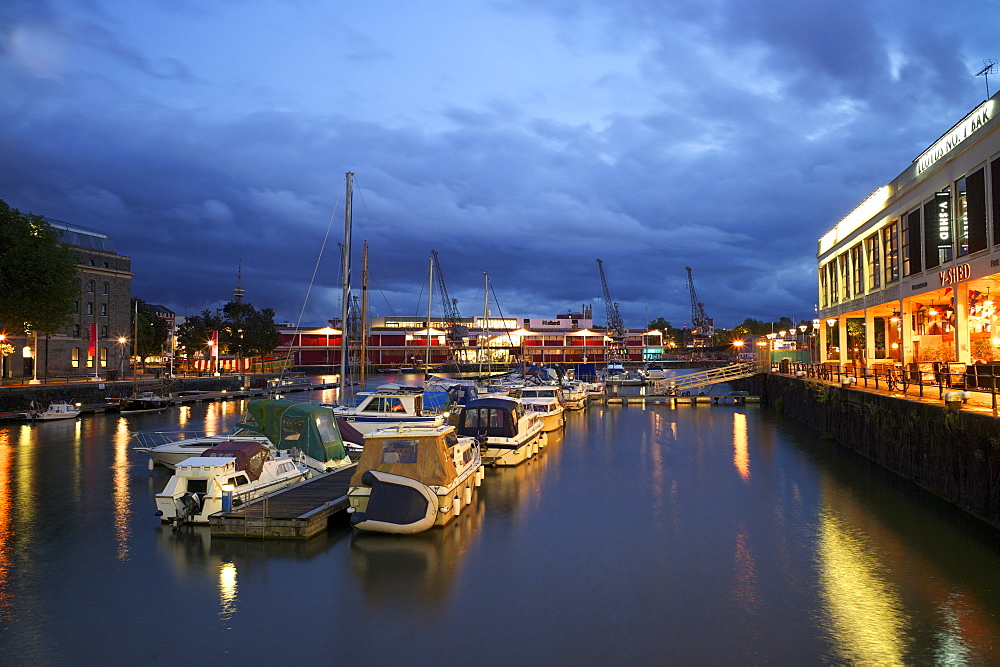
point(143, 401)
point(574, 394)
point(394, 404)
point(512, 434)
point(222, 477)
point(410, 478)
point(546, 402)
point(56, 410)
point(654, 372)
point(307, 432)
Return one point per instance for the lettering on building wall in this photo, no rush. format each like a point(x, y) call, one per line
point(955, 274)
point(995, 262)
point(957, 135)
point(942, 202)
point(919, 285)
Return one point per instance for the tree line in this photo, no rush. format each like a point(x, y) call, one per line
point(39, 293)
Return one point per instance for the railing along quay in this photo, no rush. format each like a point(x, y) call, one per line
point(953, 383)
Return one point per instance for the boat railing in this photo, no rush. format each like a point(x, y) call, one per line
point(149, 439)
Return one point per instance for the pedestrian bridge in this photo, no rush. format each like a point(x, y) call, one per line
point(712, 376)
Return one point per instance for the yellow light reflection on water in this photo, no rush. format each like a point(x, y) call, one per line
point(6, 530)
point(863, 608)
point(227, 590)
point(121, 495)
point(741, 448)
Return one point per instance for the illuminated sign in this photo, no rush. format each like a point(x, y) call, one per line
point(955, 274)
point(956, 135)
point(942, 207)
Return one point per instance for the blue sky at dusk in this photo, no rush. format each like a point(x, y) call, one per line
point(524, 138)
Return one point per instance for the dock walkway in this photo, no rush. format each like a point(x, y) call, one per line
point(296, 513)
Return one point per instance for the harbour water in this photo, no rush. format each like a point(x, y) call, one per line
point(642, 534)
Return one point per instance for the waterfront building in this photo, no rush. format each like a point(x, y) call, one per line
point(89, 345)
point(408, 341)
point(910, 277)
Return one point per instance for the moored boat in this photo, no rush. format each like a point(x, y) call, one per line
point(574, 394)
point(224, 476)
point(546, 402)
point(56, 410)
point(395, 404)
point(143, 401)
point(410, 478)
point(512, 434)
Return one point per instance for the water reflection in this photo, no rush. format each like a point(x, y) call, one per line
point(414, 569)
point(121, 493)
point(6, 460)
point(741, 447)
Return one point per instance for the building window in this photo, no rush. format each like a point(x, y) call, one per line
point(104, 288)
point(76, 306)
point(975, 196)
point(912, 261)
point(90, 285)
point(845, 277)
point(938, 233)
point(890, 250)
point(857, 270)
point(874, 249)
point(834, 283)
point(104, 331)
point(104, 309)
point(822, 287)
point(104, 357)
point(76, 331)
point(74, 357)
point(90, 307)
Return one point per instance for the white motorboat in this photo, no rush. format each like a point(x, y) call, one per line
point(307, 432)
point(56, 410)
point(410, 478)
point(546, 402)
point(512, 434)
point(395, 404)
point(225, 476)
point(574, 394)
point(654, 371)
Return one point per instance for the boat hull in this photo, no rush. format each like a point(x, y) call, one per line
point(400, 505)
point(510, 452)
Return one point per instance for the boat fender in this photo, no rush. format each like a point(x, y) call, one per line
point(456, 505)
point(368, 479)
point(150, 465)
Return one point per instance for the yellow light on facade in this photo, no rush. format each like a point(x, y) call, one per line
point(831, 322)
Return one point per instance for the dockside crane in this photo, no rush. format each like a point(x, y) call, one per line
point(702, 327)
point(456, 331)
point(615, 327)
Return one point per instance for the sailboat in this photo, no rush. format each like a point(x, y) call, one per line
point(140, 401)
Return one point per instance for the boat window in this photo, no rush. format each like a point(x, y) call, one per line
point(399, 451)
point(198, 485)
point(327, 429)
point(291, 427)
point(240, 480)
point(451, 438)
point(393, 404)
point(375, 405)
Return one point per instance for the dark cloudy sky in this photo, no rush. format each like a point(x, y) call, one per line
point(524, 138)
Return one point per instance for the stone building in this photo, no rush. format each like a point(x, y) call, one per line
point(98, 331)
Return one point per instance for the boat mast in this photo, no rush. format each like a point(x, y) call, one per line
point(486, 320)
point(345, 272)
point(364, 314)
point(430, 295)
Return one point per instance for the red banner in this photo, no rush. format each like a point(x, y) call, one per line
point(215, 343)
point(92, 347)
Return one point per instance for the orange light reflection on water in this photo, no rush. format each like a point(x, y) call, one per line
point(6, 458)
point(121, 494)
point(741, 448)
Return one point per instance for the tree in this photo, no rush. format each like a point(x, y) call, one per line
point(37, 274)
point(671, 334)
point(194, 335)
point(243, 330)
point(150, 330)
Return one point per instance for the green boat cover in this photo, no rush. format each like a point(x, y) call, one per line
point(291, 424)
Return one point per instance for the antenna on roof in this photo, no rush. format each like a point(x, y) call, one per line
point(990, 66)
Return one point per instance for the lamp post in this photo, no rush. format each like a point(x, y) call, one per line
point(122, 340)
point(3, 355)
point(33, 353)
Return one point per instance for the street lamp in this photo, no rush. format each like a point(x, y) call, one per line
point(31, 352)
point(122, 340)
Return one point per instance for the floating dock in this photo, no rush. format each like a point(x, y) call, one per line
point(295, 513)
point(701, 399)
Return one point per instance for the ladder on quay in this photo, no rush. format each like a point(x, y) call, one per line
point(297, 513)
point(713, 376)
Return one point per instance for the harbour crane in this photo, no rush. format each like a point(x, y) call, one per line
point(702, 327)
point(456, 331)
point(616, 327)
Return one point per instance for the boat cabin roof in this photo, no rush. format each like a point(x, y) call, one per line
point(491, 417)
point(250, 456)
point(420, 453)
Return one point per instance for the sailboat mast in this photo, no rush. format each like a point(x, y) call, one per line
point(364, 314)
point(486, 317)
point(430, 297)
point(345, 272)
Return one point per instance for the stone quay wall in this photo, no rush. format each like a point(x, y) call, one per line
point(952, 453)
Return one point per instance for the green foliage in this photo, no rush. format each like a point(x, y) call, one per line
point(243, 330)
point(37, 274)
point(671, 334)
point(150, 330)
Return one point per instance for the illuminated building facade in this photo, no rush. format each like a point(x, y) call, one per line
point(911, 275)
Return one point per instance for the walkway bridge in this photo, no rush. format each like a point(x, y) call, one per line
point(713, 376)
